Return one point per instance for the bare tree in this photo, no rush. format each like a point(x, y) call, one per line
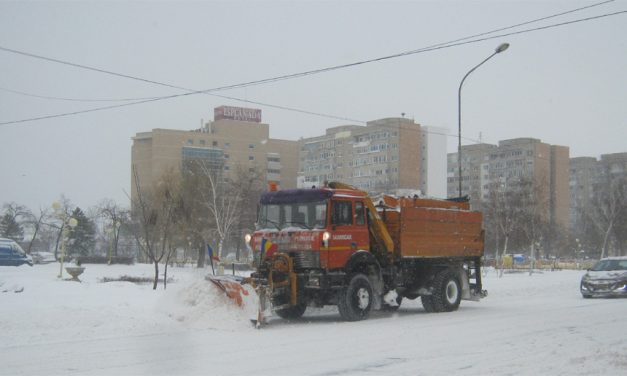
point(218, 209)
point(36, 222)
point(116, 217)
point(609, 205)
point(517, 211)
point(219, 200)
point(620, 232)
point(502, 215)
point(250, 184)
point(534, 215)
point(195, 216)
point(154, 217)
point(587, 232)
point(223, 205)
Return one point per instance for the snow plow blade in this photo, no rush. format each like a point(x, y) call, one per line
point(242, 293)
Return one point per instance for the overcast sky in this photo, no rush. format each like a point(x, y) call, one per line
point(564, 85)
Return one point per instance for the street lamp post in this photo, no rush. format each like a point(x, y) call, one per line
point(502, 47)
point(113, 230)
point(110, 233)
point(66, 222)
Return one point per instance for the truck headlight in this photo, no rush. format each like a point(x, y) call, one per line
point(325, 238)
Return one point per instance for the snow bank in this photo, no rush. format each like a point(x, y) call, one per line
point(198, 303)
point(36, 306)
point(528, 325)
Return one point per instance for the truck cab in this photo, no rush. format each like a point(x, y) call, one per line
point(319, 228)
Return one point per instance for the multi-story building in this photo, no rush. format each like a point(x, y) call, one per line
point(475, 172)
point(583, 177)
point(236, 140)
point(613, 165)
point(382, 156)
point(588, 176)
point(485, 165)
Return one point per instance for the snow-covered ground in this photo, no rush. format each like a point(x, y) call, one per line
point(528, 325)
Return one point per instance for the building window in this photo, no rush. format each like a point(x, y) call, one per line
point(190, 142)
point(214, 143)
point(251, 158)
point(202, 142)
point(251, 146)
point(214, 158)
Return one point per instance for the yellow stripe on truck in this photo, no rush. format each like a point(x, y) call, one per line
point(342, 248)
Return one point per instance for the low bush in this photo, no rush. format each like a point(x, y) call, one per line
point(128, 278)
point(126, 260)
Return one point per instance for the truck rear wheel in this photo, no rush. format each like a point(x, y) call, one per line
point(447, 292)
point(355, 300)
point(427, 303)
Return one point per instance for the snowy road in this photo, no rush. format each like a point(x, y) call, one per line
point(527, 326)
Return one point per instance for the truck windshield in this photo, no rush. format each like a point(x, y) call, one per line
point(306, 215)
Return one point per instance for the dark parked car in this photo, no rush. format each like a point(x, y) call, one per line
point(11, 254)
point(607, 278)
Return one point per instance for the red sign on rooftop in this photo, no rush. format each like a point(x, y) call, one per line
point(237, 113)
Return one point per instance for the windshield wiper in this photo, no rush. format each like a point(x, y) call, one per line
point(275, 224)
point(303, 224)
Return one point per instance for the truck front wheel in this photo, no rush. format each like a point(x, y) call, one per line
point(447, 292)
point(292, 312)
point(355, 300)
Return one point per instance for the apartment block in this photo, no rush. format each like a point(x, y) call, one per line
point(484, 165)
point(613, 165)
point(384, 155)
point(475, 172)
point(583, 177)
point(588, 175)
point(236, 140)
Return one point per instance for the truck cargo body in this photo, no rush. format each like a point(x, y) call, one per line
point(419, 228)
point(333, 246)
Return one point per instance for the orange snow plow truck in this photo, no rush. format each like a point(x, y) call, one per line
point(335, 246)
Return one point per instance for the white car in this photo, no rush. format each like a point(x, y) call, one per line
point(43, 257)
point(607, 278)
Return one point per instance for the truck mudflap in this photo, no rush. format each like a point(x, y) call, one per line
point(472, 291)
